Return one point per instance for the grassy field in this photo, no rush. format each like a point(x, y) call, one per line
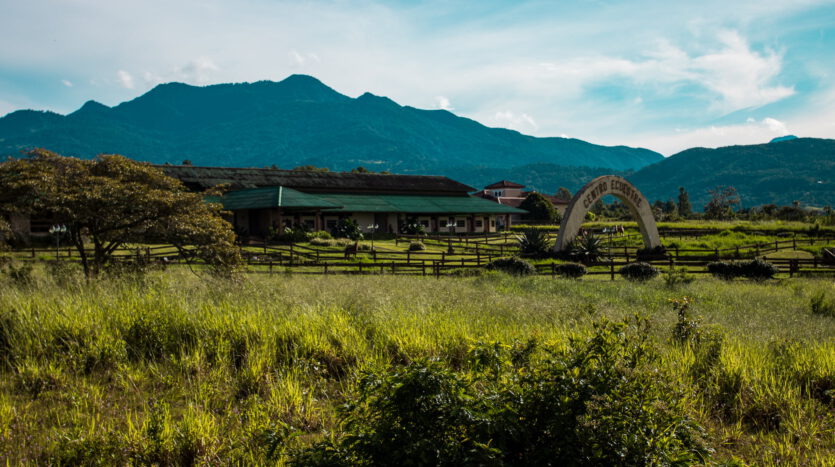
point(173, 368)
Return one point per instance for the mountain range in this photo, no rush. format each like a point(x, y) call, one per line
point(300, 121)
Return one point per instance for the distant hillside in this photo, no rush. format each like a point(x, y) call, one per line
point(545, 178)
point(800, 169)
point(298, 121)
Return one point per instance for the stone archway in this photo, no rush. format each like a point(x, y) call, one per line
point(596, 190)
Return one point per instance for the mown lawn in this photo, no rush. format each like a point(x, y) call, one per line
point(174, 368)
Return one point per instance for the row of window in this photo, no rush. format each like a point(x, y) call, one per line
point(443, 223)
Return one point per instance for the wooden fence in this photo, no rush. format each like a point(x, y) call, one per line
point(469, 253)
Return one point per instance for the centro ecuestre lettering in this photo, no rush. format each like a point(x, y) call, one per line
point(604, 188)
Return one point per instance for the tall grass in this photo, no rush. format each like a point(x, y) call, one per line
point(171, 368)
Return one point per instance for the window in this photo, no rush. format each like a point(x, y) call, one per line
point(308, 224)
point(461, 223)
point(479, 223)
point(425, 223)
point(331, 224)
point(492, 222)
point(441, 223)
point(498, 193)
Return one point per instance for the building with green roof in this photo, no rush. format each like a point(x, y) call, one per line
point(262, 200)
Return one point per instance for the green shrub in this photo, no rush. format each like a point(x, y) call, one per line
point(535, 243)
point(347, 228)
point(600, 400)
point(756, 269)
point(297, 234)
point(321, 234)
point(571, 270)
point(412, 226)
point(513, 265)
point(638, 271)
point(725, 270)
point(416, 246)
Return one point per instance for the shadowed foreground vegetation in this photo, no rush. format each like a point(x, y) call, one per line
point(171, 368)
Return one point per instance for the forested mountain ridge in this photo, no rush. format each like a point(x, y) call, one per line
point(781, 172)
point(298, 121)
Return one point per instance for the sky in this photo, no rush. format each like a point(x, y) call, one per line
point(664, 75)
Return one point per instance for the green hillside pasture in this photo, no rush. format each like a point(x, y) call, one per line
point(173, 368)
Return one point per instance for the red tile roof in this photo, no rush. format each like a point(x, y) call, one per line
point(504, 184)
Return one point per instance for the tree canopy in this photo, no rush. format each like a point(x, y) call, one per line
point(539, 208)
point(722, 202)
point(112, 200)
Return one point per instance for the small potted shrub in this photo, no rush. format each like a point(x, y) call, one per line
point(638, 271)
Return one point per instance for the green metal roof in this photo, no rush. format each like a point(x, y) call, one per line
point(277, 196)
point(416, 204)
point(273, 197)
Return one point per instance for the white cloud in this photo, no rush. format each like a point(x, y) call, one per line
point(735, 76)
point(714, 136)
point(520, 122)
point(299, 59)
point(776, 126)
point(124, 79)
point(442, 102)
point(198, 71)
point(66, 83)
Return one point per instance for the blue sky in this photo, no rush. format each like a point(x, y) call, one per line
point(656, 74)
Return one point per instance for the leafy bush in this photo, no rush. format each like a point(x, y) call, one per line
point(725, 270)
point(534, 243)
point(412, 226)
point(572, 270)
point(756, 269)
point(513, 265)
point(295, 234)
point(347, 228)
point(321, 234)
point(600, 400)
point(416, 246)
point(638, 271)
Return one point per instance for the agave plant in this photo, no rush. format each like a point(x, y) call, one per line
point(534, 243)
point(586, 248)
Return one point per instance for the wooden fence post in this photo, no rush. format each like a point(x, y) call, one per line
point(612, 268)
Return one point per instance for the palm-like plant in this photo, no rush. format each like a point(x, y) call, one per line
point(587, 248)
point(534, 243)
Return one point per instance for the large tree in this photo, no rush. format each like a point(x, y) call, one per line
point(539, 208)
point(685, 209)
point(112, 200)
point(722, 202)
